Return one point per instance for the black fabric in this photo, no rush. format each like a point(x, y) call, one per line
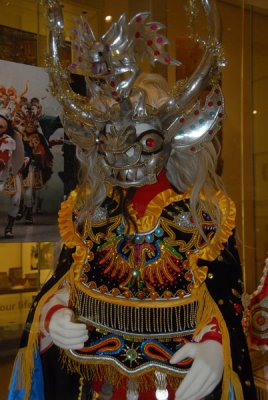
point(58, 384)
point(215, 395)
point(65, 261)
point(224, 282)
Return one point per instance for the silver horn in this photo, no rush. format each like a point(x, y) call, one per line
point(175, 109)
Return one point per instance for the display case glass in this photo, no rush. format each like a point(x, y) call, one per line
point(23, 270)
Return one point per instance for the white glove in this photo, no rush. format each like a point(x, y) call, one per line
point(65, 333)
point(205, 372)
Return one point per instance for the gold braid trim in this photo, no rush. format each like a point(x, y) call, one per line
point(216, 245)
point(24, 363)
point(65, 221)
point(71, 239)
point(206, 309)
point(101, 371)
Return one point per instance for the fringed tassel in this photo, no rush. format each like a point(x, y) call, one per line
point(17, 381)
point(132, 390)
point(206, 309)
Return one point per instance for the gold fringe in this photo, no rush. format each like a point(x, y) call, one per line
point(25, 358)
point(207, 308)
point(110, 374)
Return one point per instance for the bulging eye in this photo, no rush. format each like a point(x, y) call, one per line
point(152, 141)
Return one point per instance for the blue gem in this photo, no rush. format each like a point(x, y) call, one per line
point(149, 238)
point(201, 121)
point(138, 239)
point(135, 272)
point(120, 229)
point(159, 232)
point(192, 126)
point(212, 114)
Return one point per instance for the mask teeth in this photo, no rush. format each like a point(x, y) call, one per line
point(132, 175)
point(99, 68)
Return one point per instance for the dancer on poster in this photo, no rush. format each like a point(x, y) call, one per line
point(11, 156)
point(38, 159)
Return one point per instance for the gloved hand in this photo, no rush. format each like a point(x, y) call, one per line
point(65, 333)
point(205, 372)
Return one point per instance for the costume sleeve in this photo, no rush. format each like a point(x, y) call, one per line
point(225, 284)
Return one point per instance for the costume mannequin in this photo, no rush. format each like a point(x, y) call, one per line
point(147, 290)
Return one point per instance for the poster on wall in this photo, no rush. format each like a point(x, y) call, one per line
point(31, 156)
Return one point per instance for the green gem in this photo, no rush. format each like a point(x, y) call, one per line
point(135, 272)
point(131, 354)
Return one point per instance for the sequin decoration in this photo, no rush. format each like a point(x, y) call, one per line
point(185, 220)
point(100, 214)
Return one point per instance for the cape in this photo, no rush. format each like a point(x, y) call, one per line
point(161, 267)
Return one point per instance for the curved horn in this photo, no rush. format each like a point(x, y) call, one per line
point(73, 104)
point(172, 110)
point(116, 37)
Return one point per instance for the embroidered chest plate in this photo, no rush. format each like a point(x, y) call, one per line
point(151, 264)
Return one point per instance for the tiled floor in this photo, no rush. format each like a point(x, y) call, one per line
point(44, 229)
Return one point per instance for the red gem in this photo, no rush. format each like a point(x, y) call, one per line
point(217, 91)
point(220, 115)
point(112, 84)
point(219, 103)
point(238, 308)
point(114, 94)
point(138, 19)
point(210, 103)
point(182, 120)
point(154, 27)
point(167, 59)
point(149, 43)
point(137, 35)
point(157, 53)
point(159, 40)
point(193, 148)
point(150, 142)
point(196, 112)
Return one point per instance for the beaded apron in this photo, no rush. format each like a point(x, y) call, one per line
point(137, 289)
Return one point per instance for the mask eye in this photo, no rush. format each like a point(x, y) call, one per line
point(152, 142)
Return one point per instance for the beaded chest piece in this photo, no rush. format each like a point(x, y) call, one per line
point(138, 289)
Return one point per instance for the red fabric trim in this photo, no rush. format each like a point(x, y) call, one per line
point(145, 194)
point(50, 314)
point(212, 336)
point(214, 333)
